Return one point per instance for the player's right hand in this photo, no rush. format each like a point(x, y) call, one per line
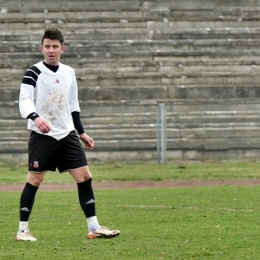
point(42, 125)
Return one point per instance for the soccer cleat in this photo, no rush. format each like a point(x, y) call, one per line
point(25, 236)
point(103, 232)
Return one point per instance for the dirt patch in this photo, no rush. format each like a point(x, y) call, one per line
point(134, 185)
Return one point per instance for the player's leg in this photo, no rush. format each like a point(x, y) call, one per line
point(73, 159)
point(83, 178)
point(34, 179)
point(42, 157)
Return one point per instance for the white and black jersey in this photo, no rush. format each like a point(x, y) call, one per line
point(52, 95)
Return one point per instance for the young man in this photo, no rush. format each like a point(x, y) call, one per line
point(49, 100)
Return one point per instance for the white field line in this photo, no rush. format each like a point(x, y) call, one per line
point(172, 207)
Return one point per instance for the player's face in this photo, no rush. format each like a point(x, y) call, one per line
point(52, 50)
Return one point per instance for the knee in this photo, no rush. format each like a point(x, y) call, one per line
point(81, 174)
point(35, 183)
point(35, 179)
point(87, 175)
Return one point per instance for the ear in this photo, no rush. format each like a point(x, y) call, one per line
point(41, 48)
point(63, 48)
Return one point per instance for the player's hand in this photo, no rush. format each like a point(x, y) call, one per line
point(87, 140)
point(42, 125)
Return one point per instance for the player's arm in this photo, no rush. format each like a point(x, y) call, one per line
point(26, 104)
point(88, 141)
point(27, 89)
point(26, 99)
point(77, 122)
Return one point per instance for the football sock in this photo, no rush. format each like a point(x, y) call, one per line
point(86, 198)
point(87, 203)
point(23, 225)
point(92, 223)
point(27, 201)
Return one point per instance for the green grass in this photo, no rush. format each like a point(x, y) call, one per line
point(219, 223)
point(141, 171)
point(180, 223)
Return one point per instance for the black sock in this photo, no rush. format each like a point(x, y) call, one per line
point(86, 198)
point(27, 201)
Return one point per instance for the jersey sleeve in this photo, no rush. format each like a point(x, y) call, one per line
point(74, 103)
point(27, 89)
point(77, 122)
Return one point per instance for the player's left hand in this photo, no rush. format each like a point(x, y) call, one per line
point(88, 141)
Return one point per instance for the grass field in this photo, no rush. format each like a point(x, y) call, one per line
point(10, 173)
point(218, 222)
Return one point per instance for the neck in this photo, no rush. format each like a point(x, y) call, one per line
point(53, 68)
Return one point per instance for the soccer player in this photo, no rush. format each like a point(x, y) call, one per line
point(49, 100)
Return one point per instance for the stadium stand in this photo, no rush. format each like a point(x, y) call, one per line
point(200, 58)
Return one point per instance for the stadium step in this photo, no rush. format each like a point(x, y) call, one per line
point(160, 92)
point(189, 127)
point(131, 55)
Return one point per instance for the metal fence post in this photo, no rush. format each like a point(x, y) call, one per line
point(161, 133)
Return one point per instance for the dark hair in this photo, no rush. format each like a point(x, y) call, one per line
point(53, 34)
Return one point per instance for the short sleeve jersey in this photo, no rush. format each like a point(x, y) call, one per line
point(52, 95)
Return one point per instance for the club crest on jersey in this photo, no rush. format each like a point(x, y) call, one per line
point(35, 164)
point(57, 81)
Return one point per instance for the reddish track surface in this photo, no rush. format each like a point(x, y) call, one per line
point(135, 185)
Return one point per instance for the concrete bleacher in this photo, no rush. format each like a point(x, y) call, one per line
point(140, 53)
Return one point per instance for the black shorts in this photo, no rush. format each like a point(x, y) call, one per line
point(47, 154)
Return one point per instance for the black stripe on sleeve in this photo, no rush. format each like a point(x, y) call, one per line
point(31, 75)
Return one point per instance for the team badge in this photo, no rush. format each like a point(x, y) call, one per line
point(35, 164)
